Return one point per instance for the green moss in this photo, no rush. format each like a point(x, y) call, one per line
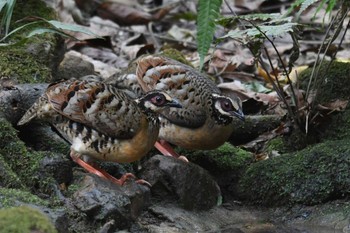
point(310, 176)
point(28, 62)
point(57, 147)
point(176, 55)
point(18, 158)
point(13, 197)
point(8, 178)
point(29, 8)
point(338, 127)
point(226, 157)
point(25, 8)
point(333, 82)
point(23, 67)
point(276, 144)
point(24, 219)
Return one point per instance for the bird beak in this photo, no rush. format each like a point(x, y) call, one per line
point(239, 114)
point(174, 103)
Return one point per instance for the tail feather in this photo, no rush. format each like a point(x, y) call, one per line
point(36, 110)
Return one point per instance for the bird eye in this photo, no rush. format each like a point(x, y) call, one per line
point(226, 105)
point(158, 100)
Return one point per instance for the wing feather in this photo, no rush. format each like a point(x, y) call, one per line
point(96, 105)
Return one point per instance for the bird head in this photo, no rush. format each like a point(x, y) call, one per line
point(228, 106)
point(156, 101)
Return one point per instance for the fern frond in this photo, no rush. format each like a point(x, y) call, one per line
point(259, 32)
point(208, 12)
point(251, 17)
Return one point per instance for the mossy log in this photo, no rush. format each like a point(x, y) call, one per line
point(253, 127)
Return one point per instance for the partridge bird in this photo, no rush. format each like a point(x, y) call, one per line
point(205, 120)
point(101, 122)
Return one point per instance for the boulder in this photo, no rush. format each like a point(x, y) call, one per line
point(190, 185)
point(103, 201)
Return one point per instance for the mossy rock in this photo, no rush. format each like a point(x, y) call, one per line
point(8, 178)
point(335, 86)
point(42, 138)
point(14, 197)
point(276, 144)
point(338, 127)
point(226, 157)
point(24, 219)
point(24, 163)
point(176, 55)
point(332, 85)
point(333, 82)
point(313, 175)
point(37, 57)
point(226, 164)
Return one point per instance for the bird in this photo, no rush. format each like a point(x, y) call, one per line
point(101, 122)
point(206, 119)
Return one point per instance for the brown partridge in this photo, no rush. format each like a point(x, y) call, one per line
point(101, 122)
point(205, 120)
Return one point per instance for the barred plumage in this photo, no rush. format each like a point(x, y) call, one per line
point(206, 119)
point(101, 121)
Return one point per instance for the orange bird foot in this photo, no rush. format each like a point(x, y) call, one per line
point(102, 173)
point(165, 148)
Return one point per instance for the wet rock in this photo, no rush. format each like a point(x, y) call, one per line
point(58, 166)
point(43, 137)
point(187, 183)
point(170, 218)
point(16, 99)
point(108, 227)
point(74, 66)
point(103, 201)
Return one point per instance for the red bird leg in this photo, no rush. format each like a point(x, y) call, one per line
point(165, 148)
point(102, 173)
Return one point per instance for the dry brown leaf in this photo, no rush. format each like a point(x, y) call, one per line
point(103, 69)
point(127, 15)
point(258, 143)
point(182, 34)
point(134, 51)
point(102, 28)
point(249, 4)
point(337, 105)
point(68, 12)
point(219, 63)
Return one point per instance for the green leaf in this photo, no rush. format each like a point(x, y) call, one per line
point(274, 18)
point(249, 34)
point(17, 29)
point(208, 12)
point(271, 30)
point(236, 34)
point(39, 31)
point(293, 6)
point(71, 27)
point(305, 4)
point(257, 87)
point(6, 19)
point(189, 16)
point(2, 4)
point(17, 43)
